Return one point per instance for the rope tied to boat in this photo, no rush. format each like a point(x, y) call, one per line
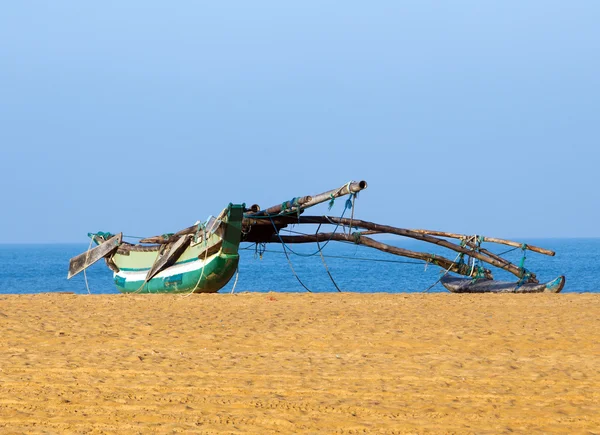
point(201, 274)
point(444, 273)
point(259, 250)
point(340, 192)
point(335, 229)
point(350, 200)
point(199, 227)
point(480, 273)
point(331, 201)
point(320, 248)
point(325, 263)
point(288, 205)
point(237, 275)
point(523, 258)
point(475, 262)
point(431, 260)
point(525, 278)
point(104, 235)
point(525, 274)
point(288, 257)
point(461, 255)
point(87, 256)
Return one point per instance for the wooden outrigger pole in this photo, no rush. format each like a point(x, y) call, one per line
point(486, 256)
point(443, 262)
point(264, 226)
point(488, 239)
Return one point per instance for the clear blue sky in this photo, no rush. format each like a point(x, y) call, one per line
point(142, 116)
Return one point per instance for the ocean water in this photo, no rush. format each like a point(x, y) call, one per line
point(43, 268)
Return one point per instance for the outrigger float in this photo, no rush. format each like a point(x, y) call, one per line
point(204, 257)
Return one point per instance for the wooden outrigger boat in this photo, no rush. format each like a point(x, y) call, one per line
point(204, 257)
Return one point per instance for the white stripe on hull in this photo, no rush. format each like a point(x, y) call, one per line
point(169, 271)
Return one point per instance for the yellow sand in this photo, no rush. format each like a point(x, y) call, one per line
point(263, 363)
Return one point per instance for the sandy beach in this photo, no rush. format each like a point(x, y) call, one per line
point(326, 363)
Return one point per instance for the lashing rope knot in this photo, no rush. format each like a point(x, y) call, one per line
point(479, 274)
point(331, 201)
point(525, 275)
point(285, 205)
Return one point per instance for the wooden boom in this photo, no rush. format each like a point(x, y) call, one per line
point(299, 204)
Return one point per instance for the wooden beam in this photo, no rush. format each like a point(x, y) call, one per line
point(310, 201)
point(276, 209)
point(159, 240)
point(445, 263)
point(346, 189)
point(318, 219)
point(500, 263)
point(488, 239)
point(83, 261)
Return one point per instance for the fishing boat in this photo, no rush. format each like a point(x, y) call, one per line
point(204, 257)
point(201, 260)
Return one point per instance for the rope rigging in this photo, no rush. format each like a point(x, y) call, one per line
point(349, 204)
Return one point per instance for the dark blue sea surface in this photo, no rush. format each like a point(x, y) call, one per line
point(43, 268)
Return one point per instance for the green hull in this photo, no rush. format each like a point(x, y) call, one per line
point(205, 266)
point(208, 279)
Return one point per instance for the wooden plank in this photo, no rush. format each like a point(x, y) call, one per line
point(85, 260)
point(169, 256)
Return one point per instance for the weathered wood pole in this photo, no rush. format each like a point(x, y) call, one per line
point(501, 264)
point(292, 204)
point(445, 263)
point(346, 189)
point(310, 201)
point(487, 239)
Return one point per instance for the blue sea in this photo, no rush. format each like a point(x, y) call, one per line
point(27, 268)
